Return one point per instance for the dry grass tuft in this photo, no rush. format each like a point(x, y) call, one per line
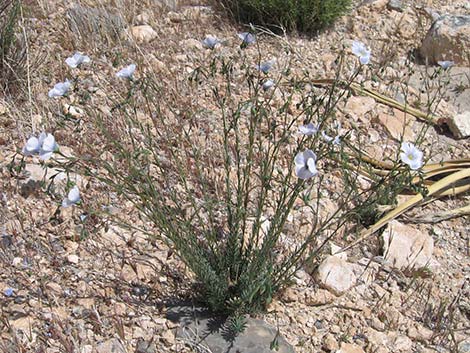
point(95, 26)
point(12, 47)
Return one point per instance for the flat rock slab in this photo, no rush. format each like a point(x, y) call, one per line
point(199, 328)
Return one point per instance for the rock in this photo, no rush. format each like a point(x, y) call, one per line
point(112, 345)
point(459, 125)
point(406, 247)
point(377, 4)
point(330, 343)
point(318, 297)
point(24, 324)
point(6, 241)
point(256, 338)
point(392, 318)
point(115, 236)
point(3, 108)
point(397, 125)
point(158, 65)
point(448, 39)
point(198, 12)
point(336, 251)
point(335, 329)
point(87, 303)
point(358, 106)
point(464, 347)
point(395, 5)
point(290, 295)
point(301, 277)
point(143, 33)
point(336, 275)
point(431, 13)
point(403, 344)
point(17, 262)
point(190, 44)
point(168, 338)
point(182, 58)
point(54, 287)
point(73, 259)
point(175, 17)
point(70, 246)
point(167, 4)
point(376, 339)
point(145, 347)
point(376, 324)
point(73, 111)
point(405, 24)
point(86, 349)
point(350, 348)
point(142, 18)
point(419, 333)
point(37, 175)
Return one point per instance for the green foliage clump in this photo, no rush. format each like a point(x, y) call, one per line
point(305, 16)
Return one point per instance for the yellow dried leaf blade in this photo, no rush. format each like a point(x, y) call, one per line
point(400, 209)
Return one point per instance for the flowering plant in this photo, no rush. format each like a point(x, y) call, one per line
point(411, 155)
point(60, 89)
point(73, 197)
point(267, 84)
point(127, 72)
point(226, 214)
point(305, 167)
point(77, 59)
point(265, 66)
point(247, 38)
point(44, 146)
point(210, 42)
point(359, 49)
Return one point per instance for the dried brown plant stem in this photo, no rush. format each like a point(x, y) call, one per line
point(442, 216)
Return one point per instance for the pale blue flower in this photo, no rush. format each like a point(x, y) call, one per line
point(305, 167)
point(60, 89)
point(326, 137)
point(77, 59)
point(45, 145)
point(268, 84)
point(127, 72)
point(210, 42)
point(8, 292)
point(266, 66)
point(32, 146)
point(247, 38)
point(72, 198)
point(309, 129)
point(360, 50)
point(335, 140)
point(411, 155)
point(446, 64)
point(48, 146)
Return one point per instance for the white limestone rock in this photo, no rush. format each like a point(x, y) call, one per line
point(405, 247)
point(336, 275)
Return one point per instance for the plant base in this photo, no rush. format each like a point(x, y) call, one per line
point(200, 328)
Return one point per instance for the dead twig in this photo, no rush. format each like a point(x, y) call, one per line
point(441, 216)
